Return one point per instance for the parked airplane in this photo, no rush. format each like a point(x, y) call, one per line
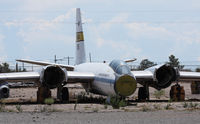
point(114, 78)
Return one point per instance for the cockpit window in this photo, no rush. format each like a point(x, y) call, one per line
point(123, 69)
point(120, 67)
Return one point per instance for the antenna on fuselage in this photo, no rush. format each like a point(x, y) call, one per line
point(130, 60)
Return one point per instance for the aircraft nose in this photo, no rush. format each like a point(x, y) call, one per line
point(125, 85)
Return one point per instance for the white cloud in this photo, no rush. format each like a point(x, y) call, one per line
point(36, 23)
point(138, 30)
point(53, 24)
point(118, 47)
point(178, 38)
point(43, 30)
point(123, 49)
point(103, 28)
point(189, 37)
point(41, 24)
point(36, 31)
point(120, 18)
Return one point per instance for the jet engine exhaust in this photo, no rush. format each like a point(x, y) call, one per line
point(165, 75)
point(53, 76)
point(125, 85)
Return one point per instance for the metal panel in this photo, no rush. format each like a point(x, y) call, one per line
point(20, 76)
point(189, 76)
point(82, 77)
point(143, 75)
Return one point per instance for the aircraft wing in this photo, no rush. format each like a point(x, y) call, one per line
point(72, 77)
point(82, 77)
point(68, 67)
point(19, 76)
point(163, 77)
point(189, 76)
point(143, 75)
point(183, 76)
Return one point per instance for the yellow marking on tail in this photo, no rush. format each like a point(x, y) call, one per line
point(79, 36)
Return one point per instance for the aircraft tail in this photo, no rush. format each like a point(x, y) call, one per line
point(80, 48)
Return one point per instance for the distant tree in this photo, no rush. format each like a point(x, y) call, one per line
point(145, 63)
point(174, 62)
point(4, 68)
point(197, 69)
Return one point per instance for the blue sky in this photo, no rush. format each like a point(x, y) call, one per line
point(113, 29)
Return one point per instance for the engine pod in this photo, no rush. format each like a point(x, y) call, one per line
point(165, 75)
point(125, 85)
point(53, 76)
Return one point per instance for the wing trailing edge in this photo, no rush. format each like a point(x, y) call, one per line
point(67, 67)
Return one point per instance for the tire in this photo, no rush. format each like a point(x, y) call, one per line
point(143, 94)
point(65, 94)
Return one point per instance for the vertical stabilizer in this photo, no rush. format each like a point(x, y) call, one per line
point(80, 48)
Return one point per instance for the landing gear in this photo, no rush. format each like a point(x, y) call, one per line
point(143, 93)
point(63, 94)
point(177, 93)
point(43, 93)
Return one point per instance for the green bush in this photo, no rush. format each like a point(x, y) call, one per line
point(105, 106)
point(168, 106)
point(49, 101)
point(116, 102)
point(2, 108)
point(193, 105)
point(159, 93)
point(185, 105)
point(19, 108)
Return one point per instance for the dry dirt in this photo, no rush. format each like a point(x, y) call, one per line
point(21, 107)
point(26, 99)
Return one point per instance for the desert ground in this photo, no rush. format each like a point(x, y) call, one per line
point(21, 107)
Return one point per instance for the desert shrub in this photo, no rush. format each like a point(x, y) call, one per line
point(95, 109)
point(168, 106)
point(145, 108)
point(19, 108)
point(2, 108)
point(157, 107)
point(49, 101)
point(105, 106)
point(116, 102)
point(193, 105)
point(159, 93)
point(185, 105)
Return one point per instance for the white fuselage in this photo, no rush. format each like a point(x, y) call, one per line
point(104, 77)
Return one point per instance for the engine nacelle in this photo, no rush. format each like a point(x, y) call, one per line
point(52, 76)
point(4, 91)
point(164, 75)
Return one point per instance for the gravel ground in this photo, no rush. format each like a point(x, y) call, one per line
point(157, 113)
point(158, 117)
